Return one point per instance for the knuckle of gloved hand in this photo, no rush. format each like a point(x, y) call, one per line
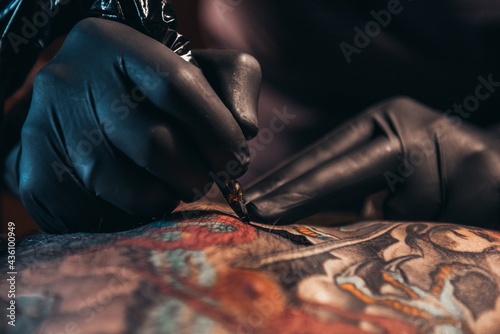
point(402, 101)
point(396, 106)
point(406, 107)
point(401, 106)
point(406, 113)
point(88, 27)
point(168, 86)
point(48, 78)
point(53, 82)
point(98, 33)
point(245, 61)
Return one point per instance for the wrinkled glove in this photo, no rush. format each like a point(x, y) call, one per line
point(29, 26)
point(435, 167)
point(121, 128)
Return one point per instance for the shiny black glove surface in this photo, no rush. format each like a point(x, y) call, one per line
point(29, 26)
point(435, 166)
point(121, 128)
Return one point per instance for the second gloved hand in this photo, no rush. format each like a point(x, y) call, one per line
point(121, 128)
point(435, 167)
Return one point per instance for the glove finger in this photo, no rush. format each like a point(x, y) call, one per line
point(83, 167)
point(353, 175)
point(116, 179)
point(174, 86)
point(347, 138)
point(58, 200)
point(235, 77)
point(159, 146)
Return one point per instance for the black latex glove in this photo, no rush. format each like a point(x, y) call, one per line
point(29, 26)
point(121, 128)
point(435, 167)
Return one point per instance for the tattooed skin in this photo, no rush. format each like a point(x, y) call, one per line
point(204, 271)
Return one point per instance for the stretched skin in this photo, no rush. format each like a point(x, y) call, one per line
point(224, 276)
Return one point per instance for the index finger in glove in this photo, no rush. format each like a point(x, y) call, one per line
point(235, 77)
point(171, 84)
point(350, 162)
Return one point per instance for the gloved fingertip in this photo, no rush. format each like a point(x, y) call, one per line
point(249, 127)
point(236, 78)
point(262, 212)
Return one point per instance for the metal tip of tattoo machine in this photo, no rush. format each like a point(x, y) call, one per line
point(236, 201)
point(233, 194)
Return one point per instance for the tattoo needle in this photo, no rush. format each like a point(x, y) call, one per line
point(233, 194)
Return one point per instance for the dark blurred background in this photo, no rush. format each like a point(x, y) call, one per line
point(432, 51)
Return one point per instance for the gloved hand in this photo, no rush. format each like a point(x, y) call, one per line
point(28, 27)
point(435, 167)
point(121, 128)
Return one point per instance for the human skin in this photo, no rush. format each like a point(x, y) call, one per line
point(201, 270)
